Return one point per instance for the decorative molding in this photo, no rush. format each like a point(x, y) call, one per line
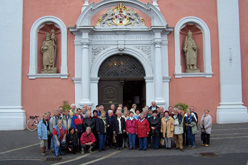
point(33, 47)
point(35, 76)
point(206, 47)
point(97, 50)
point(146, 50)
point(181, 75)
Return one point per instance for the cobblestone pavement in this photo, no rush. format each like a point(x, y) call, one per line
point(229, 142)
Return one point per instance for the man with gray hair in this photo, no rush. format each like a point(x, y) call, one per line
point(73, 110)
point(87, 141)
point(153, 106)
point(52, 123)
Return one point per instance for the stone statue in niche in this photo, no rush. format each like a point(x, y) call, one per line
point(48, 51)
point(190, 50)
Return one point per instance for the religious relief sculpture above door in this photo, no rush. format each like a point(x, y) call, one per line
point(120, 16)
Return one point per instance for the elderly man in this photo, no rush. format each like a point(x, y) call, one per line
point(153, 106)
point(89, 121)
point(84, 112)
point(43, 132)
point(61, 112)
point(52, 123)
point(87, 141)
point(193, 111)
point(77, 123)
point(59, 136)
point(73, 110)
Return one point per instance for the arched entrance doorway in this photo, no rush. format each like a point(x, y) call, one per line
point(121, 81)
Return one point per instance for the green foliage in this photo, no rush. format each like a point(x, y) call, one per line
point(182, 106)
point(66, 106)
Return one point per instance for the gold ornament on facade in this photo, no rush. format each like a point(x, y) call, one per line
point(120, 16)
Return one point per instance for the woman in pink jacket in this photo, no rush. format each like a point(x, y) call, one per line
point(130, 128)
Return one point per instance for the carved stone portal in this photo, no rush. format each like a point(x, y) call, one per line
point(120, 16)
point(48, 50)
point(190, 49)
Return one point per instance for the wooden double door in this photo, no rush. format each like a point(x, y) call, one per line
point(120, 91)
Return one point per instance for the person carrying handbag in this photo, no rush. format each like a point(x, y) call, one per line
point(206, 128)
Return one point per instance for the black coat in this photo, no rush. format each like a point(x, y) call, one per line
point(100, 126)
point(116, 125)
point(89, 122)
point(110, 122)
point(155, 123)
point(71, 140)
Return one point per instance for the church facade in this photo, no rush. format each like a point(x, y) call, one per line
point(123, 51)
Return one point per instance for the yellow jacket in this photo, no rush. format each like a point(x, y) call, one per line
point(167, 126)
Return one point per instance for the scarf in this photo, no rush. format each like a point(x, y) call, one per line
point(105, 123)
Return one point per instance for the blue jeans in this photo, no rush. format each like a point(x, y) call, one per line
point(102, 139)
point(143, 143)
point(155, 141)
point(57, 148)
point(132, 139)
point(191, 137)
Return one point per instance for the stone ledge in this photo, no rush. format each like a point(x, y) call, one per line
point(35, 76)
point(181, 75)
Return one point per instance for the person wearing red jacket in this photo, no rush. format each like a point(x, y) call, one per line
point(131, 130)
point(142, 130)
point(77, 123)
point(87, 141)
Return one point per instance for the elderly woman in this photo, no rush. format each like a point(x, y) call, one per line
point(131, 130)
point(59, 135)
point(137, 114)
point(191, 128)
point(134, 107)
point(119, 128)
point(43, 132)
point(178, 132)
point(110, 129)
point(155, 123)
point(142, 130)
point(101, 129)
point(87, 141)
point(72, 141)
point(167, 129)
point(206, 127)
point(125, 136)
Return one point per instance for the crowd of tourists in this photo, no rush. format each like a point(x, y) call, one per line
point(83, 130)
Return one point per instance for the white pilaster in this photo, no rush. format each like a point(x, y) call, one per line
point(231, 109)
point(12, 117)
point(158, 76)
point(85, 70)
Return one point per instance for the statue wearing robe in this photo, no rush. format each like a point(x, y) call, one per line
point(190, 49)
point(48, 50)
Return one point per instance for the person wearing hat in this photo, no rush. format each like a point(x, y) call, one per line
point(167, 129)
point(155, 124)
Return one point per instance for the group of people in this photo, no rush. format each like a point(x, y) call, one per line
point(80, 129)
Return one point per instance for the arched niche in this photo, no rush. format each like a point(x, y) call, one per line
point(206, 47)
point(39, 23)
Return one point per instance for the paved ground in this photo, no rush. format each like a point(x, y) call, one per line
point(229, 143)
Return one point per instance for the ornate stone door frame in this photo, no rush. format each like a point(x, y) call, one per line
point(95, 44)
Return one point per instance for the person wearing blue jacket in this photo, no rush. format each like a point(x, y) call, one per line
point(43, 132)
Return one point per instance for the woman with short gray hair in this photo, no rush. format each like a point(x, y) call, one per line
point(119, 128)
